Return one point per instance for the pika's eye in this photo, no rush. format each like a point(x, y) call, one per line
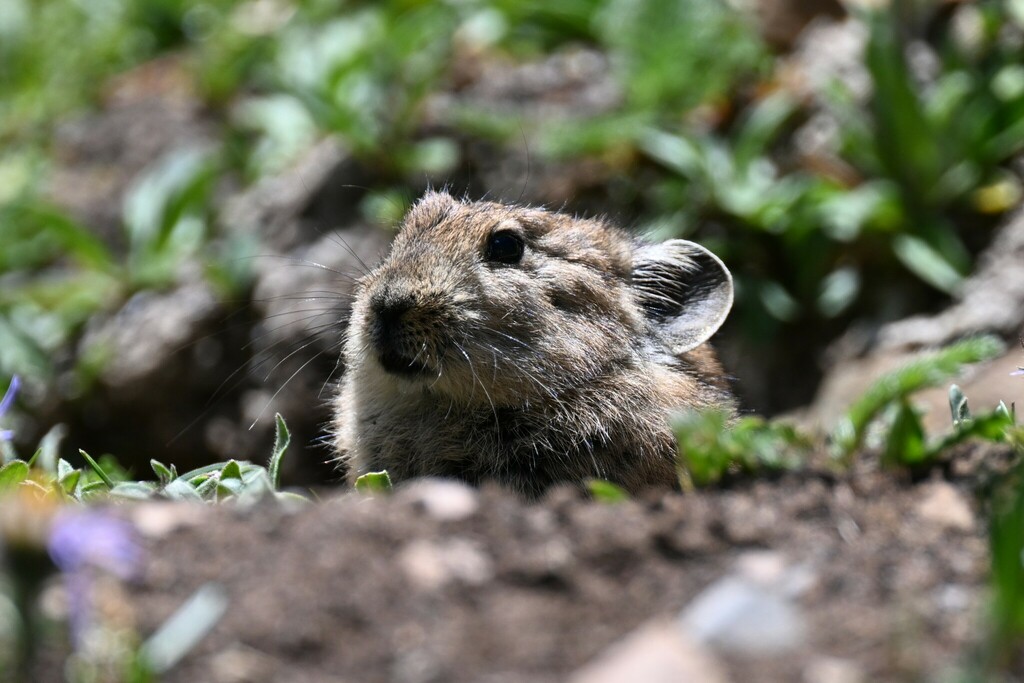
point(504, 246)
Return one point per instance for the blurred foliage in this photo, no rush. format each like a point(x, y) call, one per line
point(705, 139)
point(237, 481)
point(713, 445)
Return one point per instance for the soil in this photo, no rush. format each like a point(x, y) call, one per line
point(440, 582)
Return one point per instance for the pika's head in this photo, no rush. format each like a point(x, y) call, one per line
point(486, 303)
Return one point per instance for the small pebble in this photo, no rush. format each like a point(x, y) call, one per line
point(658, 652)
point(158, 519)
point(738, 615)
point(832, 670)
point(445, 500)
point(431, 565)
point(942, 504)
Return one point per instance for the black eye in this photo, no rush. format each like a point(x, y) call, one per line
point(504, 247)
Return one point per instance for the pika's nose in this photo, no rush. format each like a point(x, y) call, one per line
point(389, 334)
point(389, 311)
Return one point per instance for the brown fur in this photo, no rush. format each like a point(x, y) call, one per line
point(547, 370)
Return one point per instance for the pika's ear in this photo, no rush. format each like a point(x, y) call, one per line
point(684, 289)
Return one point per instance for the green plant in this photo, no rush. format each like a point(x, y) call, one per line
point(894, 390)
point(234, 480)
point(605, 491)
point(711, 446)
point(374, 482)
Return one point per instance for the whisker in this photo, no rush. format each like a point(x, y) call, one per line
point(281, 388)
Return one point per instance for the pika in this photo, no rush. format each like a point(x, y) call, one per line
point(528, 347)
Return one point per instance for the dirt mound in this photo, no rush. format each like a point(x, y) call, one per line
point(865, 576)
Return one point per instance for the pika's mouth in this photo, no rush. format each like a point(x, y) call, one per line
point(397, 364)
point(397, 353)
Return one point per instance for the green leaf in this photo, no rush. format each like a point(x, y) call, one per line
point(231, 470)
point(1006, 544)
point(958, 405)
point(925, 372)
point(49, 447)
point(206, 488)
point(164, 474)
point(97, 469)
point(762, 125)
point(904, 444)
point(282, 437)
point(135, 490)
point(927, 263)
point(374, 482)
point(199, 474)
point(711, 445)
point(290, 497)
point(605, 491)
point(255, 487)
point(68, 477)
point(80, 243)
point(13, 473)
point(64, 468)
point(227, 488)
point(180, 489)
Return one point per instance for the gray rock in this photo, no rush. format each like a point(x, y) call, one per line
point(431, 565)
point(657, 652)
point(943, 505)
point(751, 611)
point(443, 499)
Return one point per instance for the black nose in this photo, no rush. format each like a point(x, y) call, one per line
point(390, 334)
point(389, 310)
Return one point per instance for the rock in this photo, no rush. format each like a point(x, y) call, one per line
point(828, 52)
point(432, 565)
point(832, 670)
point(445, 500)
point(241, 664)
point(770, 570)
point(142, 337)
point(658, 652)
point(158, 519)
point(781, 22)
point(739, 615)
point(942, 504)
point(275, 206)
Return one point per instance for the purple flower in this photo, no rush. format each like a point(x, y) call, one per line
point(83, 540)
point(5, 405)
point(93, 539)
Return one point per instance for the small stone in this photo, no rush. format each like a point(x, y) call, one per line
point(740, 616)
point(241, 664)
point(445, 500)
point(953, 598)
point(658, 652)
point(158, 519)
point(432, 565)
point(942, 504)
point(763, 567)
point(832, 670)
point(769, 569)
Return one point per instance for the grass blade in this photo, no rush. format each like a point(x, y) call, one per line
point(282, 437)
